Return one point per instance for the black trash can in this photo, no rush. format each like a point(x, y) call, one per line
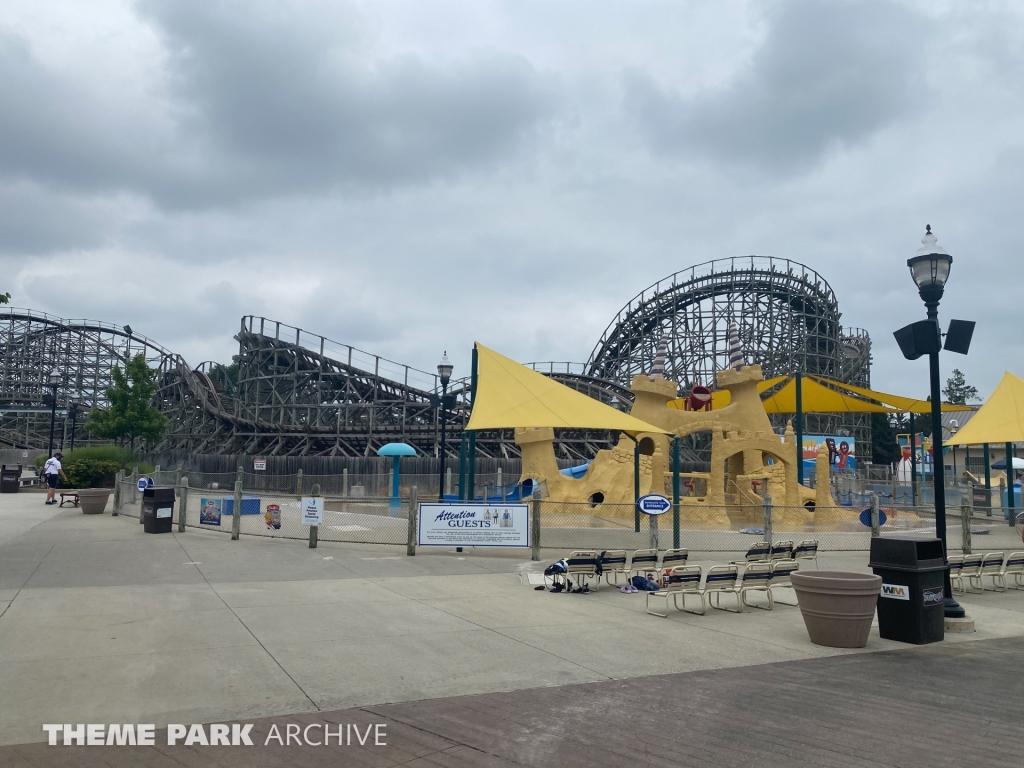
point(157, 509)
point(910, 606)
point(10, 479)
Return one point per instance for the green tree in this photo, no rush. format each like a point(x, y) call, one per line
point(884, 449)
point(4, 298)
point(130, 416)
point(957, 389)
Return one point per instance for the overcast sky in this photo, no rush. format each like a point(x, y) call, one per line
point(408, 176)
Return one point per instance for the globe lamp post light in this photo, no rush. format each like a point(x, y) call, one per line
point(929, 268)
point(444, 373)
point(54, 380)
point(73, 409)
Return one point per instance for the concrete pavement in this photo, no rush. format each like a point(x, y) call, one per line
point(104, 623)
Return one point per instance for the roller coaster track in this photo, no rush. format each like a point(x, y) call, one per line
point(786, 313)
point(287, 393)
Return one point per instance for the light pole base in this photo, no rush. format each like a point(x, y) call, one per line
point(953, 609)
point(959, 625)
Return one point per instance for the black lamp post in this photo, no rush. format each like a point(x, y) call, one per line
point(54, 380)
point(930, 268)
point(73, 410)
point(444, 372)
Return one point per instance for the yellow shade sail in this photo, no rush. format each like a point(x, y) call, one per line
point(898, 403)
point(721, 398)
point(818, 399)
point(824, 399)
point(511, 395)
point(1000, 419)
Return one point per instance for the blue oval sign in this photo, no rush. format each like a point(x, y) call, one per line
point(653, 504)
point(865, 518)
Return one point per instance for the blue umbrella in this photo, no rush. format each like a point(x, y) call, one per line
point(396, 451)
point(1001, 464)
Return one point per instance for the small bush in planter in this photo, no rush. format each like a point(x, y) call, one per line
point(90, 473)
point(94, 467)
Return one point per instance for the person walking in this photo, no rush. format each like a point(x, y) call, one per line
point(52, 470)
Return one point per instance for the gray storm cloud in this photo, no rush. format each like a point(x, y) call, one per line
point(412, 177)
point(827, 75)
point(261, 102)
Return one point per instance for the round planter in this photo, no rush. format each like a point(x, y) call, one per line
point(92, 501)
point(837, 606)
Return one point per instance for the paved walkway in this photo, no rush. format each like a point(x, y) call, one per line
point(942, 705)
point(102, 623)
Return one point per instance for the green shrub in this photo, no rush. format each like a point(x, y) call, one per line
point(90, 473)
point(91, 467)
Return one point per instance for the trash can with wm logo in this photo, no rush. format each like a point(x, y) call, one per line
point(910, 603)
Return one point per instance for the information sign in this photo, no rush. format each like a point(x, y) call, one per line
point(474, 525)
point(653, 504)
point(313, 510)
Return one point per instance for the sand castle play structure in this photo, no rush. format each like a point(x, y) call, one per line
point(748, 460)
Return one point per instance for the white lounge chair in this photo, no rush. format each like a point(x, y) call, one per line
point(582, 567)
point(613, 563)
point(756, 578)
point(807, 550)
point(970, 570)
point(956, 573)
point(682, 580)
point(673, 558)
point(721, 579)
point(1014, 566)
point(781, 573)
point(644, 561)
point(991, 566)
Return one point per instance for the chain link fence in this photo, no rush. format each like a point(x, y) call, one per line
point(358, 509)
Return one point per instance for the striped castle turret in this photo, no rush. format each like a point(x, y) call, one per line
point(736, 361)
point(658, 371)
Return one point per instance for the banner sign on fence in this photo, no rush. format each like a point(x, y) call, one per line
point(313, 510)
point(981, 496)
point(209, 511)
point(474, 525)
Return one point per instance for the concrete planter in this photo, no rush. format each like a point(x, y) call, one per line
point(837, 606)
point(93, 501)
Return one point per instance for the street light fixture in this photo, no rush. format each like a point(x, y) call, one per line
point(54, 380)
point(929, 268)
point(73, 410)
point(444, 373)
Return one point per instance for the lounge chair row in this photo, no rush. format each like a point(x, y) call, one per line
point(587, 567)
point(721, 580)
point(996, 565)
point(763, 551)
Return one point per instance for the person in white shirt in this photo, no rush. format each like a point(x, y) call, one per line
point(52, 470)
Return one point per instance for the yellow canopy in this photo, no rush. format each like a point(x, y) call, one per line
point(1000, 419)
point(721, 398)
point(818, 399)
point(903, 404)
point(511, 395)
